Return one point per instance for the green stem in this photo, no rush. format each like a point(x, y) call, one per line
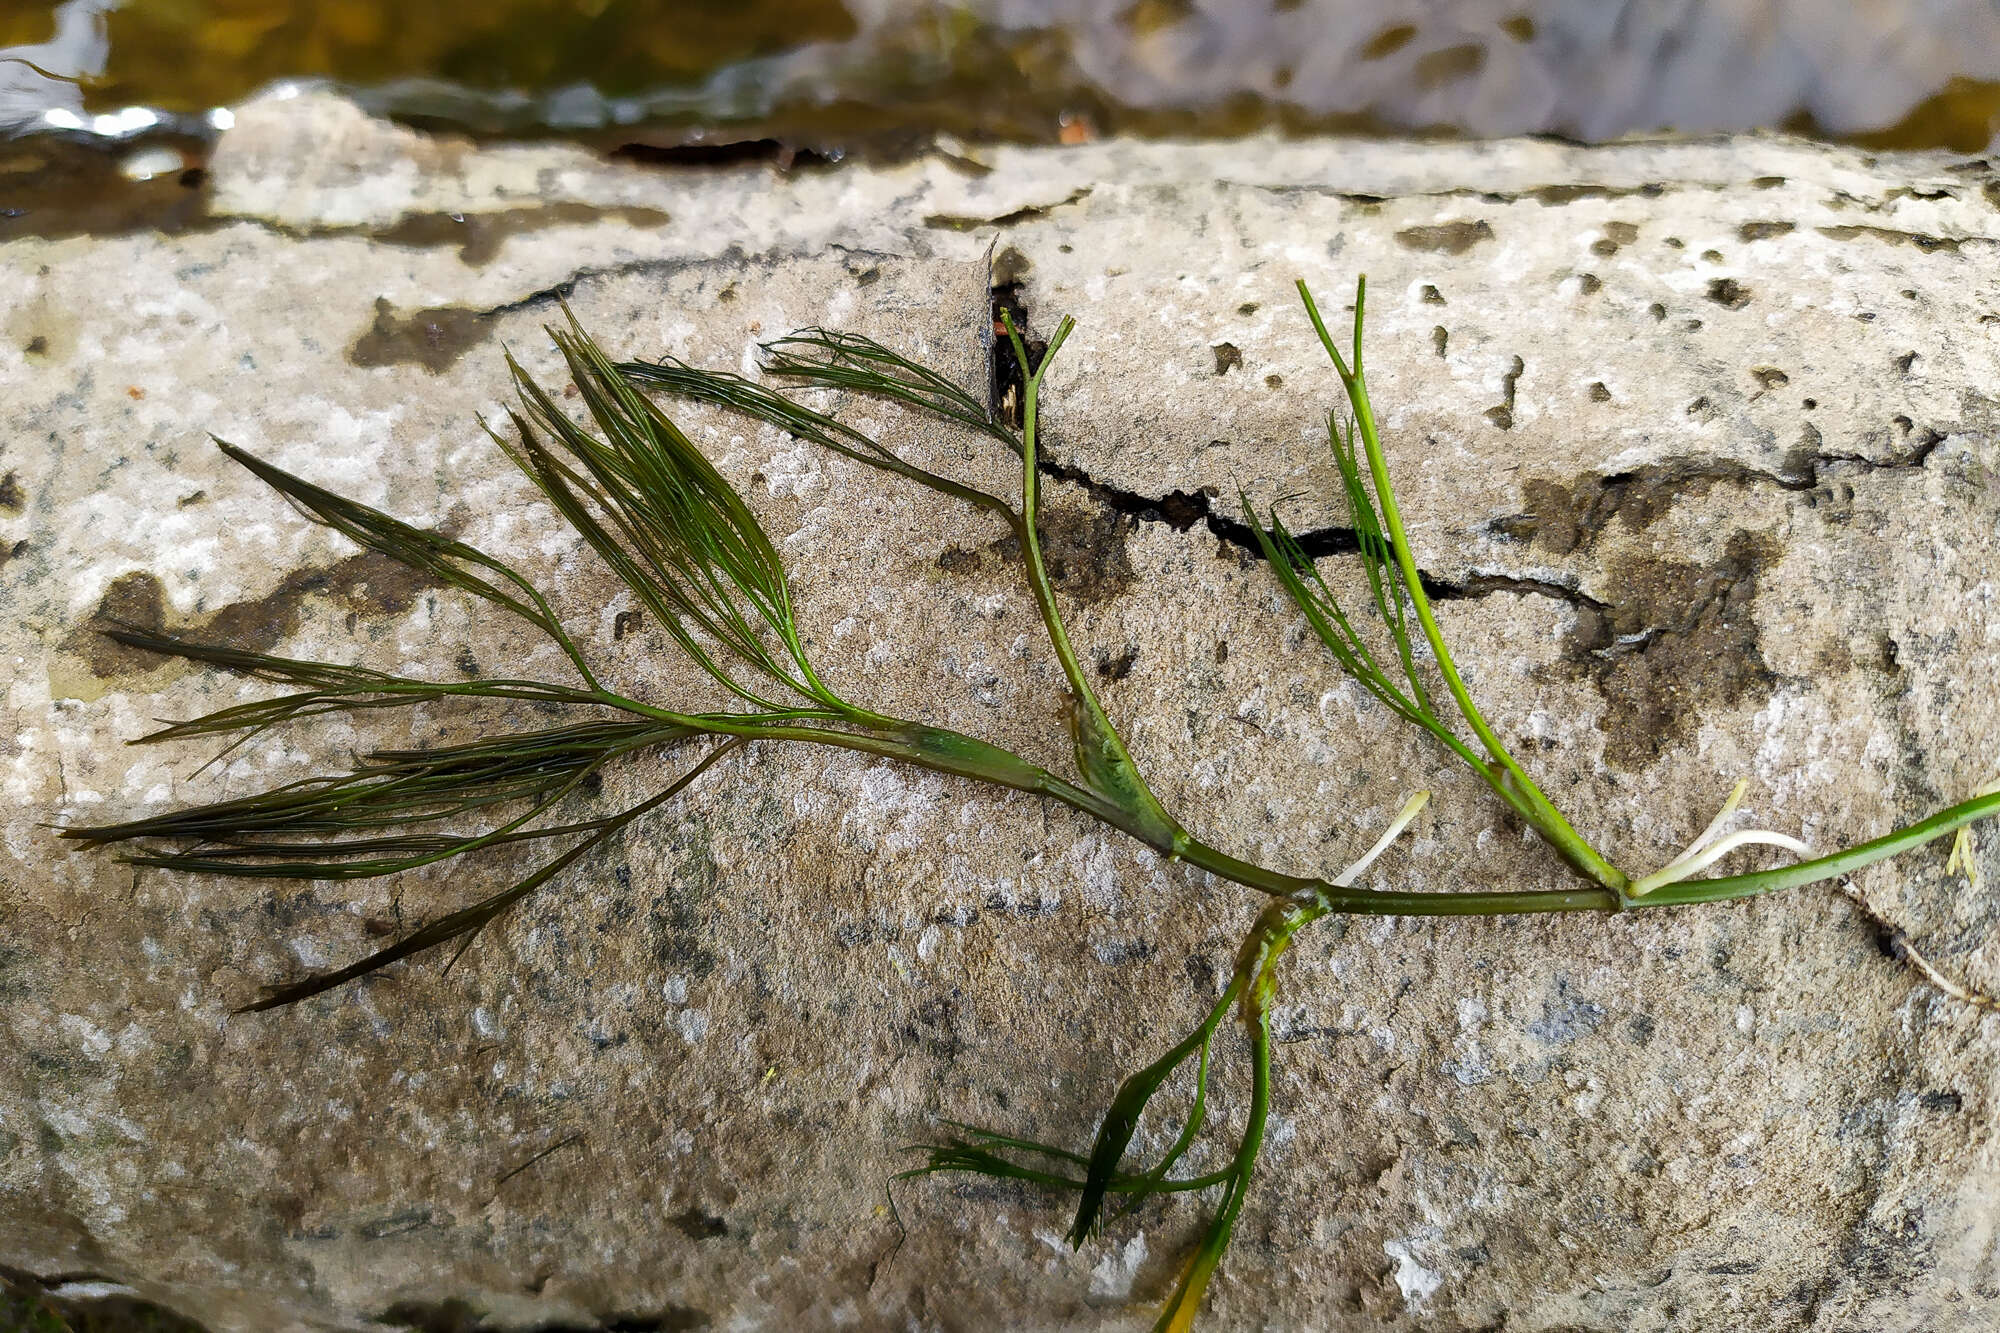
point(1547, 820)
point(1031, 539)
point(1186, 1301)
point(1945, 821)
point(1106, 765)
point(945, 751)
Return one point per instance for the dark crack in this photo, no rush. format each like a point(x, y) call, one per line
point(1672, 637)
point(1182, 510)
point(437, 336)
point(1027, 213)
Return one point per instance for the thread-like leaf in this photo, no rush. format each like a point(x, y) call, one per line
point(468, 921)
point(665, 520)
point(390, 789)
point(754, 400)
point(1121, 1121)
point(334, 688)
point(448, 560)
point(851, 361)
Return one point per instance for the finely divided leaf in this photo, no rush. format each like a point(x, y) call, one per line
point(666, 521)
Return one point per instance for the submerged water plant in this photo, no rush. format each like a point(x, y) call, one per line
point(662, 518)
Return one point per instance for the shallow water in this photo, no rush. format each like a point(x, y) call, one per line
point(1921, 73)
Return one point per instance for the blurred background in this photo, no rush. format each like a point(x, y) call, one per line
point(831, 78)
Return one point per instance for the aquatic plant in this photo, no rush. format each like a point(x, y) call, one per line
point(672, 529)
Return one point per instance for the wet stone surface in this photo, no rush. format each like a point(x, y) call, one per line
point(1716, 538)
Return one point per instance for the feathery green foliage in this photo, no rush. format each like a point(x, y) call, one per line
point(688, 547)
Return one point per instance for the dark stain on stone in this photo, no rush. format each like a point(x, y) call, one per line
point(12, 500)
point(1388, 41)
point(447, 1316)
point(1604, 247)
point(1440, 338)
point(1728, 293)
point(1598, 393)
point(697, 1225)
point(625, 622)
point(1247, 308)
point(1119, 667)
point(1561, 519)
point(61, 188)
point(1116, 953)
point(1503, 415)
point(1435, 69)
point(1273, 381)
point(1445, 238)
point(1769, 377)
point(1518, 26)
point(1010, 266)
point(1680, 638)
point(1764, 231)
point(936, 1025)
point(370, 583)
point(1926, 243)
point(1431, 295)
point(1226, 356)
point(1889, 1254)
point(479, 236)
point(1085, 551)
point(1553, 196)
point(134, 600)
point(18, 549)
point(433, 338)
point(37, 346)
point(1567, 1017)
point(1589, 283)
point(1621, 233)
point(1657, 311)
point(1906, 362)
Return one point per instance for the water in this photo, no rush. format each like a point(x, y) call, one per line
point(1921, 73)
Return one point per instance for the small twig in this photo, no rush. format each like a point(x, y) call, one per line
point(555, 1147)
point(1901, 948)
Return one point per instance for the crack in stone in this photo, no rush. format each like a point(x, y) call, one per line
point(1025, 213)
point(435, 337)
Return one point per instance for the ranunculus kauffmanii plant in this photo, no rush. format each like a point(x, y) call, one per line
point(673, 530)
